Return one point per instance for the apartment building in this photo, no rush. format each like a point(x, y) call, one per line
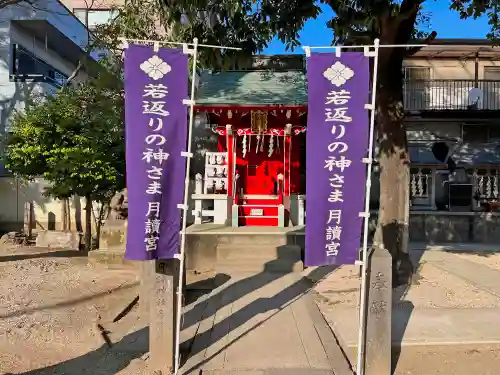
point(93, 12)
point(40, 47)
point(452, 104)
point(451, 96)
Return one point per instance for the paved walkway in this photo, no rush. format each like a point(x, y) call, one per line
point(260, 324)
point(434, 326)
point(427, 326)
point(483, 277)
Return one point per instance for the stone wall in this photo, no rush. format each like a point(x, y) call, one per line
point(456, 227)
point(440, 227)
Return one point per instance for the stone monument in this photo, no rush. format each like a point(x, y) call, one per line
point(119, 205)
point(114, 234)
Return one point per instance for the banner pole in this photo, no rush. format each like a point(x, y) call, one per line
point(340, 47)
point(188, 155)
point(360, 366)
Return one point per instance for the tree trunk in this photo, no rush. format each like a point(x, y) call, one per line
point(68, 210)
point(103, 209)
point(393, 220)
point(392, 228)
point(65, 214)
point(88, 223)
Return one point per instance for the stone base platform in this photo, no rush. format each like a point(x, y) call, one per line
point(218, 249)
point(213, 249)
point(111, 259)
point(56, 239)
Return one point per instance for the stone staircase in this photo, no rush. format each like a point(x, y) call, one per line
point(257, 253)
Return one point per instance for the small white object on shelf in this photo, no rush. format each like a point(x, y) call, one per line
point(215, 172)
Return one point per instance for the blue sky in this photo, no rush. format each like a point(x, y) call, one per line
point(445, 22)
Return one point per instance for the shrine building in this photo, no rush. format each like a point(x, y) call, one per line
point(252, 124)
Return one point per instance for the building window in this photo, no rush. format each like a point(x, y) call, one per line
point(417, 73)
point(416, 87)
point(26, 66)
point(492, 73)
point(94, 17)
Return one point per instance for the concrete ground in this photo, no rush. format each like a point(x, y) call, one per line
point(264, 323)
point(51, 303)
point(254, 324)
point(446, 323)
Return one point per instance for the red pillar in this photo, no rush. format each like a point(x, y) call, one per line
point(230, 160)
point(287, 166)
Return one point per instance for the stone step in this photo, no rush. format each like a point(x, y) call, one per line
point(252, 258)
point(256, 266)
point(262, 253)
point(258, 240)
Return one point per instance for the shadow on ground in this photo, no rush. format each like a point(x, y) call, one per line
point(70, 302)
point(45, 254)
point(102, 361)
point(199, 289)
point(234, 292)
point(108, 361)
point(402, 309)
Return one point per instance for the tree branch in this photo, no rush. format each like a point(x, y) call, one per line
point(73, 74)
point(428, 40)
point(408, 9)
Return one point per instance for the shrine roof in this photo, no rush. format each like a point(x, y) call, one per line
point(257, 87)
point(421, 154)
point(477, 154)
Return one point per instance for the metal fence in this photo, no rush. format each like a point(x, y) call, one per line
point(446, 94)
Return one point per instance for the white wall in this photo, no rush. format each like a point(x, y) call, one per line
point(52, 11)
point(453, 68)
point(445, 68)
point(47, 212)
point(17, 96)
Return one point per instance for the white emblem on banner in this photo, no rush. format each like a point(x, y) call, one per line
point(338, 74)
point(155, 67)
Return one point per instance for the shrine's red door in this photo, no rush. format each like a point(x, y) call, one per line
point(262, 170)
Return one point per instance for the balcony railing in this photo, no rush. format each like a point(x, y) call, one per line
point(446, 94)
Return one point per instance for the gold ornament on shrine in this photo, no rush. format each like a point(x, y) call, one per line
point(259, 122)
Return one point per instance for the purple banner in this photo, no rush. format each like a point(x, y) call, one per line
point(337, 141)
point(156, 134)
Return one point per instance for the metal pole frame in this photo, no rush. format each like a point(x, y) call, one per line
point(181, 256)
point(360, 370)
point(360, 365)
point(191, 102)
point(188, 155)
point(369, 51)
